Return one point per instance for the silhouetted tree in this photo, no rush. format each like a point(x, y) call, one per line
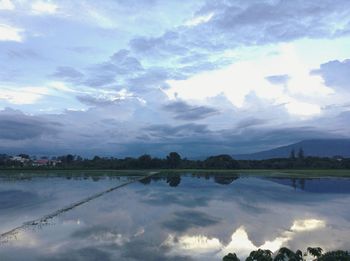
point(287, 254)
point(230, 257)
point(260, 255)
point(224, 180)
point(301, 153)
point(144, 161)
point(173, 160)
point(292, 154)
point(338, 255)
point(221, 162)
point(315, 251)
point(173, 181)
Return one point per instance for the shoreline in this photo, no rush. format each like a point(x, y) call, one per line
point(292, 173)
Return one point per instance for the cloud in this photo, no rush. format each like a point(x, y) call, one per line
point(107, 98)
point(241, 68)
point(9, 198)
point(185, 220)
point(41, 7)
point(10, 33)
point(23, 95)
point(277, 20)
point(18, 126)
point(168, 44)
point(23, 54)
point(119, 67)
point(336, 74)
point(86, 253)
point(67, 73)
point(250, 122)
point(6, 5)
point(278, 79)
point(199, 20)
point(184, 111)
point(184, 130)
point(147, 250)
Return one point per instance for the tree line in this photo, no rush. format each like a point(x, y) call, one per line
point(285, 254)
point(174, 161)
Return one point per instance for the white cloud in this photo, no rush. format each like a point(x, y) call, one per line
point(244, 77)
point(198, 244)
point(240, 242)
point(199, 20)
point(27, 95)
point(61, 86)
point(307, 225)
point(41, 7)
point(6, 5)
point(10, 33)
point(302, 108)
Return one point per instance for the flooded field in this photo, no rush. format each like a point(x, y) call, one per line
point(176, 217)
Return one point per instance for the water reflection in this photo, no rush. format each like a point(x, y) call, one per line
point(204, 218)
point(316, 185)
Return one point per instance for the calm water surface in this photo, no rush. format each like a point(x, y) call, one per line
point(187, 217)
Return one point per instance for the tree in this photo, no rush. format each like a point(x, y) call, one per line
point(144, 161)
point(315, 251)
point(173, 160)
point(221, 162)
point(225, 180)
point(230, 257)
point(338, 255)
point(24, 156)
point(301, 153)
point(260, 255)
point(173, 181)
point(292, 154)
point(287, 254)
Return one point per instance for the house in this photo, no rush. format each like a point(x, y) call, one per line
point(45, 162)
point(19, 159)
point(41, 162)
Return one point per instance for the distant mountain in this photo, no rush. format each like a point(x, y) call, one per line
point(319, 148)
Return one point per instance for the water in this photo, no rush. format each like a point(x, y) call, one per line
point(187, 217)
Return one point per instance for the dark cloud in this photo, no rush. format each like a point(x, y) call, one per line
point(184, 111)
point(94, 232)
point(250, 122)
point(18, 126)
point(166, 198)
point(97, 101)
point(261, 22)
point(68, 74)
point(278, 79)
point(136, 250)
point(18, 198)
point(335, 73)
point(185, 220)
point(176, 131)
point(118, 68)
point(83, 254)
point(152, 78)
point(169, 43)
point(247, 23)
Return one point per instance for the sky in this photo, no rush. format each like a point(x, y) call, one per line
point(201, 77)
